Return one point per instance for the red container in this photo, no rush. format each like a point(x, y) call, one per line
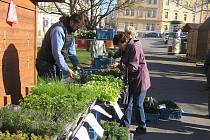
point(82, 43)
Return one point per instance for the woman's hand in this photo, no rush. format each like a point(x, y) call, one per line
point(115, 65)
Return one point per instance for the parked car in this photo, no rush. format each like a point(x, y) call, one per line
point(152, 34)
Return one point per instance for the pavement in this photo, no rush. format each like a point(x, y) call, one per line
point(183, 83)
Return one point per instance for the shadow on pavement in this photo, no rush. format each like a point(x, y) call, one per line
point(177, 130)
point(196, 115)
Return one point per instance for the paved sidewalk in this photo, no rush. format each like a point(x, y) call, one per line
point(183, 83)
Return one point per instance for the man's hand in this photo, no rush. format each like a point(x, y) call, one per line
point(78, 65)
point(115, 65)
point(71, 73)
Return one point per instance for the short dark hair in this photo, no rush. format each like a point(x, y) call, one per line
point(119, 38)
point(77, 17)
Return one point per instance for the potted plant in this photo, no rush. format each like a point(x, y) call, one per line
point(83, 38)
point(172, 110)
point(151, 109)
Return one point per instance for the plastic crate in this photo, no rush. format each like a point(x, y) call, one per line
point(152, 118)
point(101, 63)
point(170, 114)
point(105, 34)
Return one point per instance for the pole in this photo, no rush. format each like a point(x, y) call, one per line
point(201, 13)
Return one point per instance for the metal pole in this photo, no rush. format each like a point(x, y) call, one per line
point(201, 13)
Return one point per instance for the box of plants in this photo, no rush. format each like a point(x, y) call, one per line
point(113, 131)
point(53, 108)
point(172, 110)
point(151, 110)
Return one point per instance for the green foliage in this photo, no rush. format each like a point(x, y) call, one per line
point(86, 34)
point(116, 72)
point(169, 104)
point(150, 105)
point(53, 104)
point(108, 88)
point(113, 131)
point(110, 53)
point(22, 136)
point(28, 121)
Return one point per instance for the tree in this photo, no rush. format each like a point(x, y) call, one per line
point(94, 10)
point(192, 5)
point(196, 6)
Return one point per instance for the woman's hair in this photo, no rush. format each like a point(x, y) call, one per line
point(119, 38)
point(130, 30)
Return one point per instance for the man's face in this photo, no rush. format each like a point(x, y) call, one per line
point(75, 25)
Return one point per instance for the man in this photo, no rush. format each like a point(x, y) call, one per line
point(50, 60)
point(207, 72)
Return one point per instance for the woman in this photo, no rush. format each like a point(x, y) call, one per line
point(134, 64)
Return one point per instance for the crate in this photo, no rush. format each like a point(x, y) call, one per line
point(101, 63)
point(152, 118)
point(170, 114)
point(105, 34)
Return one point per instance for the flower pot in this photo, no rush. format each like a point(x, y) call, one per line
point(109, 44)
point(82, 43)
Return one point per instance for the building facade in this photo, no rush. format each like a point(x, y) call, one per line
point(161, 15)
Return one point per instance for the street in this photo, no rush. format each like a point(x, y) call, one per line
point(183, 83)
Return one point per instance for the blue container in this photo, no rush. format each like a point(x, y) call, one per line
point(170, 114)
point(105, 34)
point(152, 118)
point(101, 63)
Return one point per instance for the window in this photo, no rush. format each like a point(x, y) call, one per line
point(185, 17)
point(132, 12)
point(186, 4)
point(176, 16)
point(193, 19)
point(140, 12)
point(166, 14)
point(166, 27)
point(167, 2)
point(151, 13)
point(152, 1)
point(206, 6)
point(127, 12)
point(153, 27)
point(147, 27)
point(177, 3)
point(131, 24)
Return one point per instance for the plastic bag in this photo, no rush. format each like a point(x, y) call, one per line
point(12, 15)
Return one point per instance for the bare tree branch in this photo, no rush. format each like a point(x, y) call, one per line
point(94, 10)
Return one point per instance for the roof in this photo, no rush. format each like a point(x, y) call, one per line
point(190, 26)
point(205, 26)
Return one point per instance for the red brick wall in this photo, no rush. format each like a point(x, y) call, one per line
point(17, 50)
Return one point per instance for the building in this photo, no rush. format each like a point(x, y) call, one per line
point(160, 15)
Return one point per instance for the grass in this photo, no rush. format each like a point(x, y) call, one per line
point(83, 56)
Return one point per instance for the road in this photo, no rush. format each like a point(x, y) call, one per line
point(183, 83)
